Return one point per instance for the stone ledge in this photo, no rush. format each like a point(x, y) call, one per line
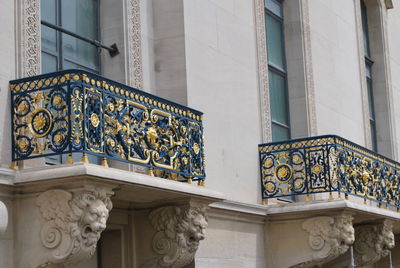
point(301, 209)
point(129, 186)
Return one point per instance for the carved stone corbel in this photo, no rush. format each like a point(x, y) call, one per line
point(373, 242)
point(3, 217)
point(329, 237)
point(74, 222)
point(179, 230)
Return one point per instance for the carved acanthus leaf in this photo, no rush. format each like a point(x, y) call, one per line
point(74, 222)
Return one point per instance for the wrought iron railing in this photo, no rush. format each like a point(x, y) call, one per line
point(328, 164)
point(76, 111)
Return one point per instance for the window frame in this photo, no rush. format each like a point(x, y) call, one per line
point(276, 69)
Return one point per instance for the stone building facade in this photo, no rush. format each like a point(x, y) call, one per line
point(260, 71)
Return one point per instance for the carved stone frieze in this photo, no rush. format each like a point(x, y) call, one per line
point(179, 232)
point(29, 37)
point(74, 222)
point(329, 237)
point(373, 242)
point(134, 45)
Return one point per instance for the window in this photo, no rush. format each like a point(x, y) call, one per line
point(368, 75)
point(63, 51)
point(277, 70)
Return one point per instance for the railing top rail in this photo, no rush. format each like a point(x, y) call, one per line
point(335, 140)
point(107, 80)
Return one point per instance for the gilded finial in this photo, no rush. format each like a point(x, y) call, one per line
point(85, 158)
point(264, 202)
point(150, 172)
point(330, 196)
point(70, 160)
point(104, 162)
point(189, 181)
point(14, 165)
point(346, 196)
point(308, 199)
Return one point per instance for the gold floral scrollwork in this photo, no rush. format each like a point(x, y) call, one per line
point(284, 172)
point(41, 122)
point(94, 120)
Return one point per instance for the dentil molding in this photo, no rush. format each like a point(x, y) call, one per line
point(74, 221)
point(179, 230)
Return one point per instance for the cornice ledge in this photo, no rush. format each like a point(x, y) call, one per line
point(112, 175)
point(241, 207)
point(7, 176)
point(304, 208)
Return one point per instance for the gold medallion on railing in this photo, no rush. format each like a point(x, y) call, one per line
point(41, 122)
point(316, 169)
point(94, 120)
point(283, 172)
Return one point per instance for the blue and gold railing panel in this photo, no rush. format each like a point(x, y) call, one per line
point(328, 164)
point(76, 111)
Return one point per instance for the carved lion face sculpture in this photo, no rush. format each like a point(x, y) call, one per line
point(93, 221)
point(195, 231)
point(388, 236)
point(346, 229)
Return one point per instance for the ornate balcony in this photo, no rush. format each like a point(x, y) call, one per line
point(75, 111)
point(328, 164)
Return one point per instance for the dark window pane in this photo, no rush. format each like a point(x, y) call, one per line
point(48, 11)
point(373, 135)
point(49, 39)
point(80, 16)
point(370, 100)
point(71, 65)
point(278, 98)
point(275, 6)
point(279, 133)
point(49, 63)
point(275, 43)
point(364, 18)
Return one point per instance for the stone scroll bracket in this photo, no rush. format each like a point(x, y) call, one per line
point(329, 237)
point(3, 217)
point(61, 227)
point(373, 243)
point(176, 234)
point(319, 239)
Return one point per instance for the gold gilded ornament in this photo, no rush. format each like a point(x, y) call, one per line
point(196, 148)
point(94, 119)
point(57, 101)
point(22, 108)
point(316, 169)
